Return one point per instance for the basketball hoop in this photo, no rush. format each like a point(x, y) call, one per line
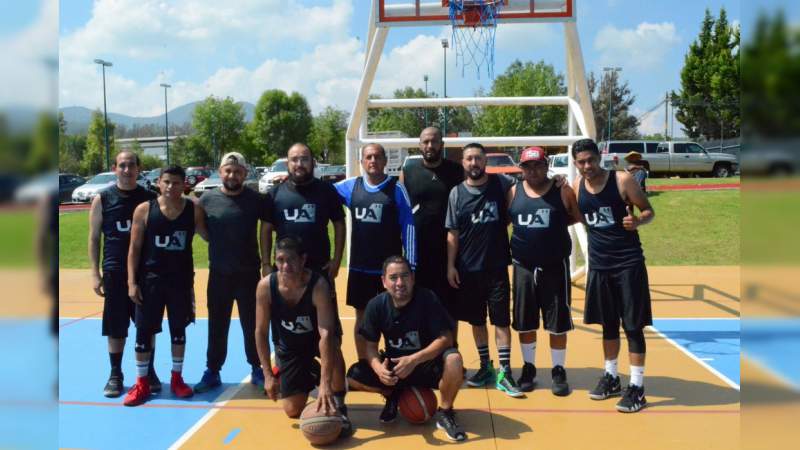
point(474, 23)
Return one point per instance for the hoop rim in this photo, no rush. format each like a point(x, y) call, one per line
point(427, 13)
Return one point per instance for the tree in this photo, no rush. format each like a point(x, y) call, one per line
point(191, 151)
point(279, 121)
point(615, 95)
point(524, 79)
point(220, 126)
point(411, 121)
point(70, 148)
point(328, 132)
point(708, 103)
point(94, 158)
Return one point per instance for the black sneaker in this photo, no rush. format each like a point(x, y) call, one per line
point(527, 381)
point(608, 386)
point(347, 427)
point(484, 376)
point(389, 413)
point(446, 420)
point(560, 386)
point(155, 383)
point(114, 386)
point(632, 400)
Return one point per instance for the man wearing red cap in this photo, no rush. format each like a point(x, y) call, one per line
point(541, 212)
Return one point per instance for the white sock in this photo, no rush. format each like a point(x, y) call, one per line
point(142, 368)
point(177, 364)
point(611, 367)
point(529, 352)
point(637, 376)
point(559, 356)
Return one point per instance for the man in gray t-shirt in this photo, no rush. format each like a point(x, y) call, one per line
point(227, 217)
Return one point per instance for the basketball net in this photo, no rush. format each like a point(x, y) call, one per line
point(474, 24)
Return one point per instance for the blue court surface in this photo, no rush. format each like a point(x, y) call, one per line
point(83, 371)
point(714, 343)
point(775, 345)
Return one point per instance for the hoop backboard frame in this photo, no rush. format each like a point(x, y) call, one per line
point(392, 13)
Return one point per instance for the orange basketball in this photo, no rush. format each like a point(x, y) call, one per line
point(417, 405)
point(318, 428)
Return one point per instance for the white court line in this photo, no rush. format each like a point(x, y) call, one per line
point(722, 377)
point(222, 400)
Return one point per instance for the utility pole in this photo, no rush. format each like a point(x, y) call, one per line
point(105, 64)
point(666, 116)
point(166, 118)
point(425, 110)
point(445, 44)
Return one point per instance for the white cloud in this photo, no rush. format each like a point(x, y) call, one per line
point(643, 48)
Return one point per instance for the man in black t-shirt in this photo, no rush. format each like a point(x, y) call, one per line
point(428, 185)
point(110, 215)
point(227, 217)
point(418, 335)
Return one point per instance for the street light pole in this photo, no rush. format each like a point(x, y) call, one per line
point(425, 110)
point(105, 64)
point(445, 44)
point(166, 118)
point(610, 70)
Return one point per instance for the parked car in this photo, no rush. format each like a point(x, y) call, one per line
point(37, 188)
point(67, 183)
point(669, 158)
point(559, 165)
point(277, 174)
point(502, 163)
point(261, 170)
point(86, 192)
point(195, 175)
point(214, 181)
point(331, 174)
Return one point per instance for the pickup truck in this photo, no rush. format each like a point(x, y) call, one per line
point(671, 158)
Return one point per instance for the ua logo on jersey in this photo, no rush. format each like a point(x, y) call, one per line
point(372, 214)
point(408, 342)
point(301, 325)
point(126, 227)
point(600, 219)
point(176, 242)
point(539, 219)
point(487, 214)
point(306, 214)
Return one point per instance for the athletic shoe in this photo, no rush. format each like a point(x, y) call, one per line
point(257, 376)
point(155, 383)
point(560, 386)
point(347, 427)
point(446, 420)
point(178, 387)
point(608, 386)
point(209, 381)
point(527, 381)
point(484, 376)
point(389, 413)
point(505, 383)
point(139, 393)
point(114, 386)
point(632, 400)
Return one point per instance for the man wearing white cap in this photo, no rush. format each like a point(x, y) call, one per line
point(226, 217)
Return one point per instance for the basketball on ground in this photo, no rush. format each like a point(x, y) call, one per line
point(418, 405)
point(318, 428)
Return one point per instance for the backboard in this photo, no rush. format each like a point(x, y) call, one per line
point(437, 12)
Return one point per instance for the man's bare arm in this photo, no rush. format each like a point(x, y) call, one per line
point(200, 225)
point(266, 247)
point(95, 228)
point(263, 316)
point(326, 322)
point(135, 250)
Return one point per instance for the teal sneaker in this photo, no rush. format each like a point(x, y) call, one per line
point(505, 383)
point(483, 377)
point(210, 380)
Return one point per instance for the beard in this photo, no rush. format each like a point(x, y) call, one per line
point(300, 179)
point(432, 156)
point(232, 185)
point(475, 174)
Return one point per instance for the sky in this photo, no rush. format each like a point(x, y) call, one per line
point(239, 48)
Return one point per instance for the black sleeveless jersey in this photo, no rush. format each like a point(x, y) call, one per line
point(482, 228)
point(610, 245)
point(376, 233)
point(118, 206)
point(294, 328)
point(428, 189)
point(167, 248)
point(540, 236)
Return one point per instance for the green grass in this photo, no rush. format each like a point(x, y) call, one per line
point(17, 228)
point(769, 225)
point(674, 181)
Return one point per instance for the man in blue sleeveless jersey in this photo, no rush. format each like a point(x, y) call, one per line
point(382, 226)
point(617, 289)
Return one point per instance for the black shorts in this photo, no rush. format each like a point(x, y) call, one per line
point(427, 374)
point(622, 295)
point(482, 290)
point(158, 293)
point(546, 289)
point(118, 308)
point(362, 287)
point(299, 373)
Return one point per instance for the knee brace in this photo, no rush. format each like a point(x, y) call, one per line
point(610, 332)
point(636, 342)
point(143, 341)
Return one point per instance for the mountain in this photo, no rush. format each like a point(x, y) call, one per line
point(78, 117)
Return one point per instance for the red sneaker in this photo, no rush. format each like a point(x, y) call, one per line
point(139, 393)
point(178, 387)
